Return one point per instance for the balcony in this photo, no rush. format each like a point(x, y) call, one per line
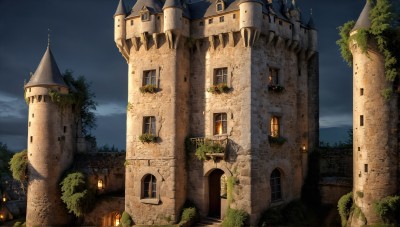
point(209, 148)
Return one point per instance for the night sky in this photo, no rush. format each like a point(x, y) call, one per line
point(82, 40)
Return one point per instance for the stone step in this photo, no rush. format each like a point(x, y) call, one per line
point(210, 222)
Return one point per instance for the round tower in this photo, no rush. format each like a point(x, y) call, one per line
point(295, 19)
point(375, 121)
point(312, 35)
point(51, 143)
point(119, 23)
point(172, 16)
point(251, 18)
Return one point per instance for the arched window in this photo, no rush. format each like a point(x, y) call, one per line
point(275, 182)
point(149, 187)
point(275, 126)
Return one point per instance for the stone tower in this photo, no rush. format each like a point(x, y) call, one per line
point(375, 122)
point(51, 141)
point(242, 74)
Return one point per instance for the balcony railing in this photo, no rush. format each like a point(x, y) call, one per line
point(209, 148)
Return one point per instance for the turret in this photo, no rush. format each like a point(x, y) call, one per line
point(375, 119)
point(250, 20)
point(295, 19)
point(120, 28)
point(312, 36)
point(51, 140)
point(172, 16)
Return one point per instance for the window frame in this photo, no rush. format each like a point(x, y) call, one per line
point(275, 183)
point(149, 125)
point(223, 75)
point(153, 77)
point(223, 121)
point(151, 185)
point(145, 16)
point(275, 126)
point(274, 78)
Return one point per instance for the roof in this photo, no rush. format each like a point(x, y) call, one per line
point(172, 3)
point(47, 73)
point(311, 23)
point(120, 9)
point(363, 21)
point(154, 6)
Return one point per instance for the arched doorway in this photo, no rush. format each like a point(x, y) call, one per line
point(215, 192)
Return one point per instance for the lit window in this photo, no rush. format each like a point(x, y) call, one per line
point(149, 77)
point(275, 183)
point(149, 125)
point(275, 126)
point(149, 187)
point(100, 184)
point(273, 77)
point(4, 199)
point(221, 76)
point(220, 123)
point(117, 219)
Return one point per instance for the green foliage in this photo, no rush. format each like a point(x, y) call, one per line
point(84, 98)
point(357, 212)
point(276, 140)
point(19, 165)
point(19, 224)
point(345, 205)
point(360, 194)
point(219, 88)
point(361, 37)
point(5, 157)
point(235, 218)
point(76, 194)
point(343, 42)
point(126, 220)
point(388, 209)
point(188, 214)
point(230, 184)
point(106, 148)
point(147, 138)
point(149, 88)
point(208, 147)
point(129, 107)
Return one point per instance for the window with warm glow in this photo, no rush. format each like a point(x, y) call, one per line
point(221, 76)
point(149, 77)
point(100, 184)
point(149, 125)
point(275, 126)
point(273, 77)
point(117, 219)
point(149, 187)
point(220, 123)
point(275, 183)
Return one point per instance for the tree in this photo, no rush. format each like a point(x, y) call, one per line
point(19, 165)
point(5, 156)
point(84, 101)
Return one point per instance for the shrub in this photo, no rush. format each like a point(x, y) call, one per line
point(149, 88)
point(235, 218)
point(359, 214)
point(126, 220)
point(76, 194)
point(147, 138)
point(208, 147)
point(189, 214)
point(344, 207)
point(388, 209)
point(19, 165)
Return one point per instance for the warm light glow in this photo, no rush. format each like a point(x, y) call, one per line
point(117, 222)
point(304, 147)
point(4, 199)
point(219, 128)
point(1, 216)
point(100, 184)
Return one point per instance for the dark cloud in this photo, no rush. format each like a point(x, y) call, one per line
point(82, 40)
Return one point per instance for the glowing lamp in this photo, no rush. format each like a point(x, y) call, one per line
point(1, 216)
point(4, 198)
point(303, 148)
point(100, 184)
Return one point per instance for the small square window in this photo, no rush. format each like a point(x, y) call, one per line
point(220, 76)
point(29, 124)
point(31, 139)
point(219, 7)
point(149, 77)
point(201, 23)
point(65, 129)
point(131, 22)
point(361, 91)
point(220, 123)
point(149, 125)
point(221, 19)
point(145, 16)
point(273, 77)
point(210, 21)
point(361, 120)
point(359, 149)
point(275, 126)
point(366, 168)
point(234, 16)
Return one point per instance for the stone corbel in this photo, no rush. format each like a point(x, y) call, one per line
point(170, 39)
point(177, 40)
point(212, 42)
point(197, 43)
point(221, 39)
point(155, 40)
point(231, 39)
point(279, 41)
point(144, 40)
point(288, 43)
point(135, 43)
point(270, 37)
point(309, 54)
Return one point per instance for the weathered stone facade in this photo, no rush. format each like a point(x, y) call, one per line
point(184, 47)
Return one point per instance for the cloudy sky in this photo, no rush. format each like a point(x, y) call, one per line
point(82, 40)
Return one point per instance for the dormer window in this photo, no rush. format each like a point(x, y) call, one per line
point(220, 5)
point(145, 14)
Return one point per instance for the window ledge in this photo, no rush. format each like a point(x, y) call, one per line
point(150, 201)
point(277, 202)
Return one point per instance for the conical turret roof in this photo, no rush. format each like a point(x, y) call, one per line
point(363, 20)
point(311, 23)
point(120, 9)
point(47, 73)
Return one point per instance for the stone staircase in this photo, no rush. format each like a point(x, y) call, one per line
point(209, 221)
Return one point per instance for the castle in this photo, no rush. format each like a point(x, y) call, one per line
point(218, 91)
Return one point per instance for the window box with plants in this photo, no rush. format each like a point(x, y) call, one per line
point(276, 88)
point(148, 138)
point(219, 88)
point(209, 148)
point(278, 140)
point(149, 88)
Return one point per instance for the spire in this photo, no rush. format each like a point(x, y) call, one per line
point(48, 37)
point(311, 23)
point(47, 73)
point(120, 9)
point(293, 6)
point(363, 20)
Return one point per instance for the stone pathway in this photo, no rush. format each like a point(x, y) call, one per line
point(208, 221)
